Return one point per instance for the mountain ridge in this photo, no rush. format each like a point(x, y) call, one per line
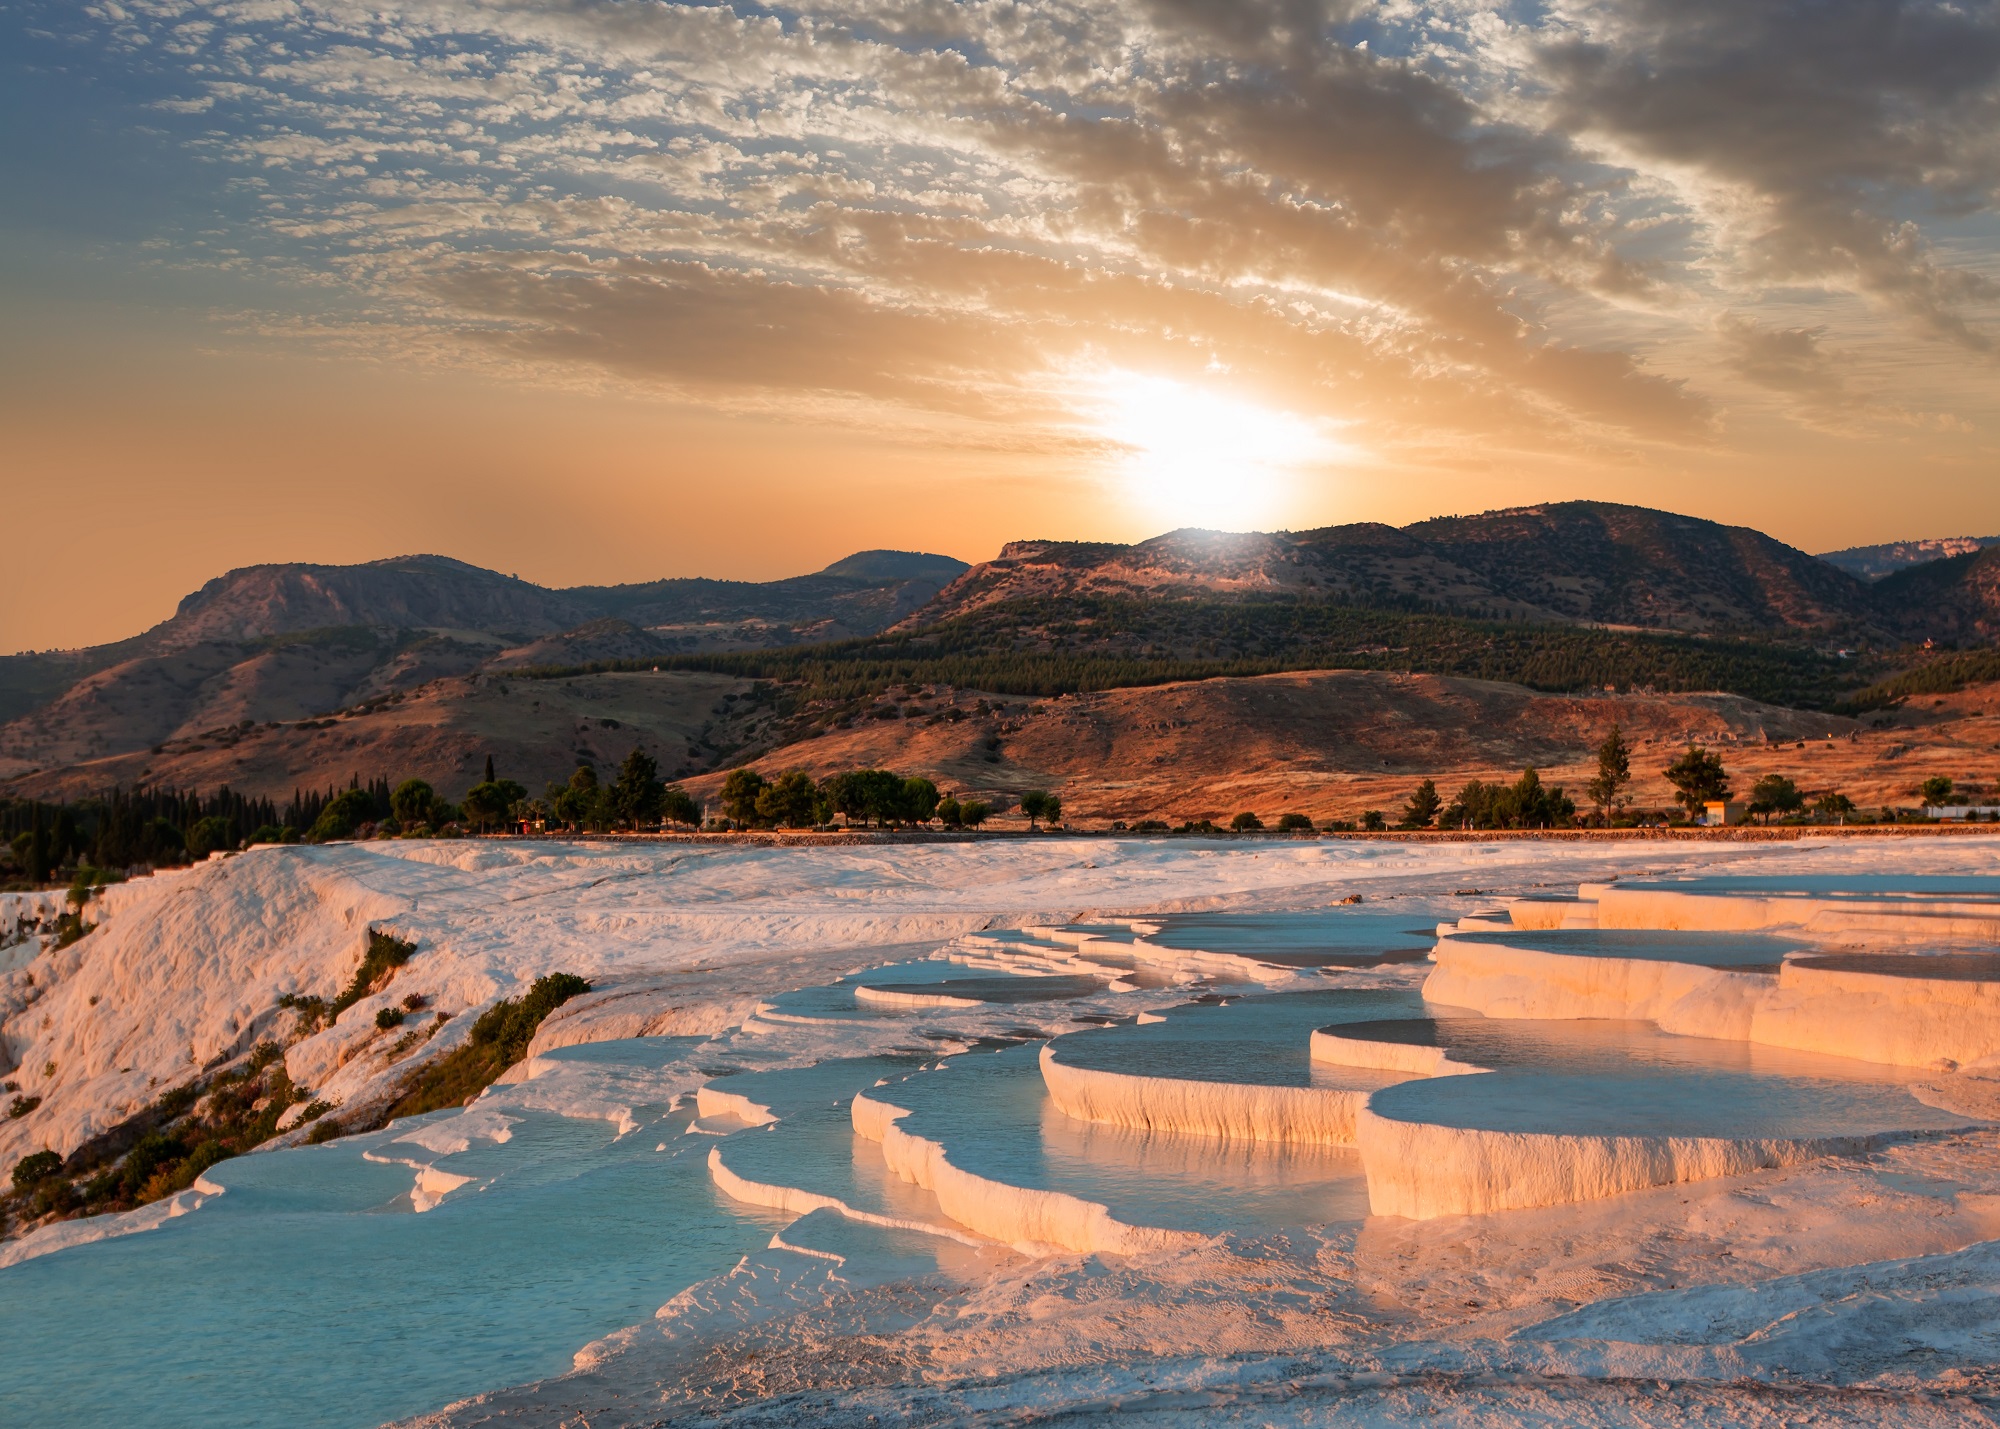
point(1557, 596)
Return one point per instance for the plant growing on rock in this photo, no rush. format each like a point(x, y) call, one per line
point(499, 1039)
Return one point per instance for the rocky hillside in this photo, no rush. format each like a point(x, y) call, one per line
point(278, 644)
point(1333, 743)
point(1571, 563)
point(1954, 601)
point(1874, 562)
point(430, 663)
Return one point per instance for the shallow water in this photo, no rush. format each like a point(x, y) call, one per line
point(1629, 1078)
point(310, 1294)
point(1265, 1039)
point(1741, 952)
point(1326, 937)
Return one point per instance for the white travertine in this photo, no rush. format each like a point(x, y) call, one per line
point(1033, 1221)
point(1232, 1111)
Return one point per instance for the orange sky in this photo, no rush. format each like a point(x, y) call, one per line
point(602, 295)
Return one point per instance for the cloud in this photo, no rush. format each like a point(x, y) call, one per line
point(1786, 360)
point(1548, 228)
point(1822, 128)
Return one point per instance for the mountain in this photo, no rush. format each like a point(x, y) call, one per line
point(1874, 562)
point(1954, 601)
point(1579, 562)
point(426, 659)
point(284, 643)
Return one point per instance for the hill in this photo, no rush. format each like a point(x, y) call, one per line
point(1874, 562)
point(283, 643)
point(412, 653)
point(1577, 562)
point(1334, 743)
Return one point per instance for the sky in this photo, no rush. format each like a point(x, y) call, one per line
point(604, 290)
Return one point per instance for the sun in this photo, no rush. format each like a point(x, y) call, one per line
point(1198, 456)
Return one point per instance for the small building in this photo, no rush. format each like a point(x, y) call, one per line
point(1987, 813)
point(1718, 812)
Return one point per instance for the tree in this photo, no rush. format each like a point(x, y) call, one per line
point(920, 799)
point(1835, 806)
point(412, 803)
point(1246, 822)
point(865, 794)
point(1293, 824)
point(207, 835)
point(739, 795)
point(490, 803)
point(489, 770)
point(577, 803)
point(1935, 790)
point(677, 806)
point(1699, 778)
point(341, 816)
point(1775, 794)
point(1423, 807)
point(974, 812)
point(1035, 804)
point(791, 801)
point(1524, 805)
point(1052, 810)
point(638, 791)
point(1372, 821)
point(1614, 772)
point(949, 812)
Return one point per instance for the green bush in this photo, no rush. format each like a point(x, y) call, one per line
point(498, 1040)
point(1294, 824)
point(1246, 822)
point(385, 954)
point(510, 1026)
point(388, 1017)
point(38, 1166)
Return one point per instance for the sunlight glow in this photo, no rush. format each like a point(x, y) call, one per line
point(1199, 457)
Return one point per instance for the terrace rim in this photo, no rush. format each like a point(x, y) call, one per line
point(834, 838)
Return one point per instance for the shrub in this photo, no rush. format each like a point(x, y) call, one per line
point(22, 1106)
point(499, 1038)
point(324, 1130)
point(52, 1195)
point(388, 1017)
point(1294, 824)
point(38, 1166)
point(974, 813)
point(1372, 821)
point(1150, 826)
point(1246, 822)
point(385, 954)
point(509, 1026)
point(273, 834)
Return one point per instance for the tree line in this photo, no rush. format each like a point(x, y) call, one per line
point(793, 800)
